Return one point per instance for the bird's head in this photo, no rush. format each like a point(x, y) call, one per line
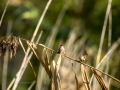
point(61, 45)
point(81, 57)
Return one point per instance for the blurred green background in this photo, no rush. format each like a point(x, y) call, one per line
point(82, 17)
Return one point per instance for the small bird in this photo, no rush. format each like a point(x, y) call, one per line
point(61, 50)
point(83, 57)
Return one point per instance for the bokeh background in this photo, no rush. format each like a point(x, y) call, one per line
point(80, 29)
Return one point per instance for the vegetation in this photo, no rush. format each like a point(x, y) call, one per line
point(32, 31)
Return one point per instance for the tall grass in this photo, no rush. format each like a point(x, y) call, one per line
point(61, 72)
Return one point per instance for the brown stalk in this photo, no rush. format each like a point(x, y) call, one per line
point(10, 85)
point(22, 69)
point(115, 45)
point(85, 78)
point(109, 42)
point(100, 80)
point(57, 67)
point(37, 54)
point(4, 12)
point(53, 62)
point(33, 83)
point(102, 37)
point(20, 73)
point(6, 57)
point(77, 85)
point(27, 57)
point(47, 63)
point(112, 49)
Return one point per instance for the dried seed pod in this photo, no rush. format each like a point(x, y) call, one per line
point(8, 42)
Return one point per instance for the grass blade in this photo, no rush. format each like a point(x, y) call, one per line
point(27, 56)
point(100, 80)
point(76, 78)
point(111, 50)
point(47, 63)
point(6, 59)
point(10, 85)
point(32, 85)
point(4, 12)
point(53, 62)
point(85, 78)
point(36, 52)
point(57, 67)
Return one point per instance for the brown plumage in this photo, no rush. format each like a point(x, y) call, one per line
point(83, 57)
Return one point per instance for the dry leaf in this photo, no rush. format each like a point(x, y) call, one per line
point(47, 63)
point(100, 80)
point(37, 54)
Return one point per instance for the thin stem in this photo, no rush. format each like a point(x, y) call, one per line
point(4, 12)
point(32, 85)
point(118, 41)
point(25, 62)
point(109, 41)
point(6, 58)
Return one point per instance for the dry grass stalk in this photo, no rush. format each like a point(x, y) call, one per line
point(100, 80)
point(103, 31)
point(115, 45)
point(4, 12)
point(28, 50)
point(4, 72)
point(37, 54)
point(40, 20)
point(85, 78)
point(53, 62)
point(32, 85)
point(52, 86)
point(21, 71)
point(10, 44)
point(10, 85)
point(77, 85)
point(14, 79)
point(102, 37)
point(57, 67)
point(47, 63)
point(27, 57)
point(111, 50)
point(109, 42)
point(6, 58)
